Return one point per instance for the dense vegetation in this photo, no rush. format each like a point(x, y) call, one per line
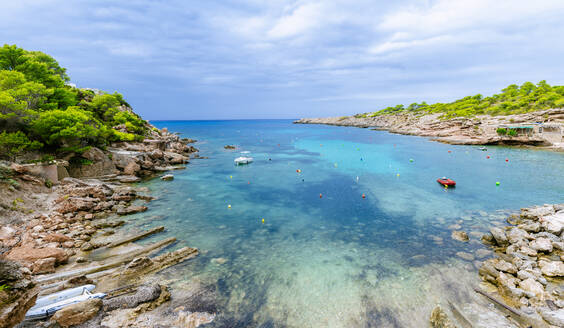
point(39, 110)
point(512, 100)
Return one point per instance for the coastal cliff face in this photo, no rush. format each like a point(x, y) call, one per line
point(478, 130)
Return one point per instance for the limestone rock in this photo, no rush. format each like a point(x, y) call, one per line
point(459, 235)
point(555, 318)
point(499, 236)
point(552, 268)
point(536, 212)
point(145, 293)
point(554, 223)
point(56, 237)
point(541, 245)
point(504, 266)
point(530, 226)
point(21, 295)
point(46, 265)
point(78, 313)
point(532, 286)
point(101, 165)
point(131, 210)
point(30, 254)
point(167, 177)
point(131, 168)
point(465, 256)
point(439, 319)
point(515, 235)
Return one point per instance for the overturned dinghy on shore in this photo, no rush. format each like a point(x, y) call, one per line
point(48, 305)
point(243, 160)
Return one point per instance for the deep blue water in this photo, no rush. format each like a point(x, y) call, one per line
point(339, 260)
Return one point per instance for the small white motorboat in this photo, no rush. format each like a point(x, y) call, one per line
point(48, 305)
point(245, 152)
point(243, 160)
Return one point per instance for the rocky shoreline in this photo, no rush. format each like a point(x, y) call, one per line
point(478, 130)
point(49, 233)
point(524, 279)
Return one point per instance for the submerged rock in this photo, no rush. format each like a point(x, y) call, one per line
point(439, 319)
point(459, 235)
point(167, 177)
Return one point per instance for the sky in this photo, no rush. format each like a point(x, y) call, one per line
point(242, 59)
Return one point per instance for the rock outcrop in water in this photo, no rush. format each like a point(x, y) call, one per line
point(528, 268)
point(478, 130)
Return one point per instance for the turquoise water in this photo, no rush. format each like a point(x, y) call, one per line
point(339, 260)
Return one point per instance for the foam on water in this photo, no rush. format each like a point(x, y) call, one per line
point(339, 260)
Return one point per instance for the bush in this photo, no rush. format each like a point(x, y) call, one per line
point(501, 131)
point(13, 144)
point(512, 133)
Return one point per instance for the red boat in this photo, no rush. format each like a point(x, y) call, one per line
point(446, 182)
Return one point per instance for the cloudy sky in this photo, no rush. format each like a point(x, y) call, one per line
point(236, 59)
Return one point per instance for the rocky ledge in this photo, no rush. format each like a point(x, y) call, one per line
point(527, 270)
point(478, 130)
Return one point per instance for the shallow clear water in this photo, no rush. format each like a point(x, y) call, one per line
point(339, 260)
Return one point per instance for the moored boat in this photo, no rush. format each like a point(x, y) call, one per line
point(243, 160)
point(446, 182)
point(48, 305)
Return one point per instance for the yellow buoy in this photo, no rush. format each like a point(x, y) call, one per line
point(262, 220)
point(397, 175)
point(230, 177)
point(229, 206)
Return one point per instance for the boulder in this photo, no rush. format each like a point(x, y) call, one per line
point(145, 293)
point(499, 236)
point(554, 223)
point(131, 168)
point(552, 268)
point(530, 226)
point(131, 210)
point(532, 286)
point(46, 265)
point(174, 158)
point(56, 237)
point(504, 266)
point(101, 165)
point(30, 254)
point(21, 296)
point(541, 245)
point(515, 235)
point(459, 235)
point(536, 212)
point(555, 318)
point(78, 313)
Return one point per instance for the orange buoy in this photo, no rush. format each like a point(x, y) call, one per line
point(487, 156)
point(299, 171)
point(320, 196)
point(507, 160)
point(449, 151)
point(363, 196)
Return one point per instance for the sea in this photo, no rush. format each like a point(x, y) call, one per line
point(339, 226)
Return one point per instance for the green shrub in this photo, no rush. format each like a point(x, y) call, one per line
point(512, 133)
point(48, 183)
point(13, 144)
point(501, 131)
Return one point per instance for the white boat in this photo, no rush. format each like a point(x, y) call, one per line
point(243, 160)
point(47, 305)
point(245, 152)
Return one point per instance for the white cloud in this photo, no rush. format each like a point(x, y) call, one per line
point(298, 21)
